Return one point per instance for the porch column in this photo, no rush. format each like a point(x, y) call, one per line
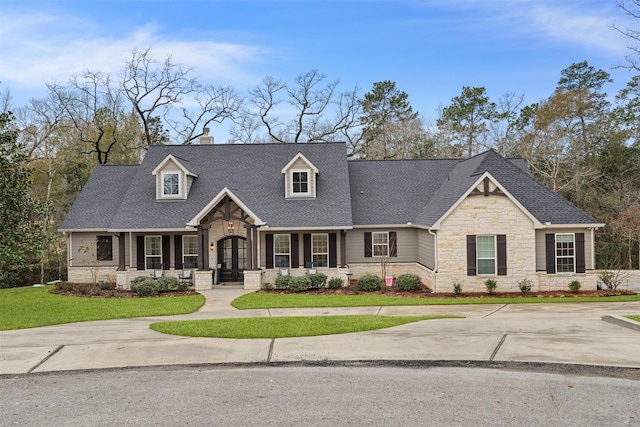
point(248, 227)
point(203, 247)
point(343, 248)
point(254, 247)
point(121, 252)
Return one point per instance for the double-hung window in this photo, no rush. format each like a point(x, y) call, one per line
point(320, 250)
point(104, 248)
point(170, 184)
point(300, 182)
point(190, 250)
point(153, 251)
point(565, 253)
point(380, 243)
point(486, 254)
point(282, 250)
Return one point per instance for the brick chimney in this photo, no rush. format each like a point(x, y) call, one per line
point(205, 139)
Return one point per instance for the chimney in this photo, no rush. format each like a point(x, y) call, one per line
point(205, 139)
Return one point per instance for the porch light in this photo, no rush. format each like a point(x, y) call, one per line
point(230, 227)
point(212, 247)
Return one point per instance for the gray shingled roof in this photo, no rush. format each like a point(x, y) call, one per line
point(348, 193)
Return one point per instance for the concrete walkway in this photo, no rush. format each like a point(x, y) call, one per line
point(546, 333)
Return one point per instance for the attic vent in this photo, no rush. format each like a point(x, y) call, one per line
point(205, 139)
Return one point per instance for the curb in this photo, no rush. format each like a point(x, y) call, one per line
point(622, 321)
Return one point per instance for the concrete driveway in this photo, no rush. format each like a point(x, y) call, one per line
point(572, 333)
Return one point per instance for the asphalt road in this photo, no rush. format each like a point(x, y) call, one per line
point(353, 395)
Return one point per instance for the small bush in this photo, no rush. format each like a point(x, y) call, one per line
point(408, 282)
point(282, 282)
point(299, 284)
point(107, 286)
point(167, 284)
point(491, 286)
point(457, 288)
point(145, 288)
point(335, 283)
point(574, 286)
point(525, 286)
point(318, 280)
point(369, 283)
point(183, 287)
point(266, 286)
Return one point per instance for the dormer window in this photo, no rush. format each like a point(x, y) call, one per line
point(171, 184)
point(300, 181)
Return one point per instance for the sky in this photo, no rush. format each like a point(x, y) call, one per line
point(429, 48)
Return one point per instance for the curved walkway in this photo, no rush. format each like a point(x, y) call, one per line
point(572, 333)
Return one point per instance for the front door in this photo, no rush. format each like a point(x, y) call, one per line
point(232, 258)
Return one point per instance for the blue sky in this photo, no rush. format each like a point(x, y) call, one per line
point(430, 48)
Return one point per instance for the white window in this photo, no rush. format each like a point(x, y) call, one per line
point(170, 184)
point(282, 250)
point(320, 250)
point(300, 182)
point(153, 251)
point(380, 242)
point(190, 250)
point(486, 254)
point(565, 253)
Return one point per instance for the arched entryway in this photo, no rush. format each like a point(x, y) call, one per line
point(232, 258)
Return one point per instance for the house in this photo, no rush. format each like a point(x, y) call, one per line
point(249, 211)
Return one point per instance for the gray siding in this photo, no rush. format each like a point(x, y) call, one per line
point(540, 246)
point(263, 252)
point(407, 245)
point(83, 250)
point(426, 249)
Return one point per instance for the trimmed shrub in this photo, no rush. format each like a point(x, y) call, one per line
point(282, 282)
point(266, 286)
point(167, 284)
point(299, 284)
point(318, 280)
point(525, 286)
point(369, 283)
point(182, 287)
point(574, 286)
point(491, 286)
point(457, 288)
point(107, 286)
point(408, 282)
point(335, 283)
point(145, 288)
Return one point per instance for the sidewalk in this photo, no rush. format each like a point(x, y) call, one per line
point(545, 333)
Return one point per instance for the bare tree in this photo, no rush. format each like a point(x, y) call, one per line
point(631, 8)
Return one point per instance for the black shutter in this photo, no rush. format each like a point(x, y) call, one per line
point(166, 252)
point(177, 242)
point(306, 243)
point(550, 251)
point(295, 251)
point(580, 258)
point(471, 255)
point(333, 253)
point(140, 253)
point(502, 254)
point(393, 244)
point(368, 244)
point(268, 242)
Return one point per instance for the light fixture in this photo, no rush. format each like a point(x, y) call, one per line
point(230, 227)
point(212, 247)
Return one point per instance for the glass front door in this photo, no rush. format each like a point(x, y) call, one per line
point(232, 258)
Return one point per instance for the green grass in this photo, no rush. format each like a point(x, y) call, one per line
point(22, 308)
point(283, 327)
point(266, 300)
point(633, 317)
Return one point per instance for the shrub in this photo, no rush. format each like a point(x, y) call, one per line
point(266, 286)
point(318, 280)
point(182, 287)
point(107, 286)
point(408, 282)
point(491, 286)
point(335, 283)
point(369, 283)
point(574, 286)
point(525, 286)
point(282, 282)
point(457, 288)
point(167, 284)
point(299, 284)
point(145, 288)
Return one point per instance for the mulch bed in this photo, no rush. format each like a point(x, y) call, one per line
point(95, 291)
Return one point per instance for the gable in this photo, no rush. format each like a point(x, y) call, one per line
point(173, 179)
point(300, 178)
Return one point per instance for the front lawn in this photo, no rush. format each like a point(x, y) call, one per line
point(258, 300)
point(633, 317)
point(283, 327)
point(22, 308)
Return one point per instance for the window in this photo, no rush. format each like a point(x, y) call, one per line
point(152, 251)
point(320, 250)
point(104, 248)
point(190, 250)
point(565, 253)
point(282, 250)
point(380, 243)
point(486, 254)
point(171, 184)
point(300, 182)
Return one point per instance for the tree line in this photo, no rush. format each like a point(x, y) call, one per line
point(578, 141)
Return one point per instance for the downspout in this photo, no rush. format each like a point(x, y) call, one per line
point(593, 254)
point(435, 260)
